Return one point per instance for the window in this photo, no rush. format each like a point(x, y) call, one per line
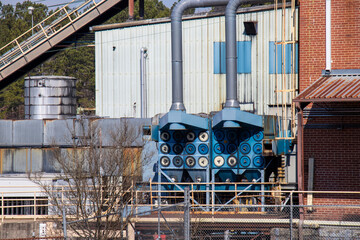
point(243, 57)
point(288, 55)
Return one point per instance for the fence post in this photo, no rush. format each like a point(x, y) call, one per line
point(226, 235)
point(187, 214)
point(34, 206)
point(159, 199)
point(64, 223)
point(291, 216)
point(2, 207)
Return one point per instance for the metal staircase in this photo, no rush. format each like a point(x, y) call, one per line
point(52, 34)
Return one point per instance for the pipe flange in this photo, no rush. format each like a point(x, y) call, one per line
point(190, 161)
point(177, 148)
point(232, 161)
point(203, 162)
point(178, 161)
point(245, 161)
point(219, 148)
point(165, 161)
point(257, 148)
point(165, 148)
point(219, 161)
point(259, 161)
point(165, 136)
point(190, 148)
point(245, 148)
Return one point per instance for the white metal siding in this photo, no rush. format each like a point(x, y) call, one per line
point(118, 66)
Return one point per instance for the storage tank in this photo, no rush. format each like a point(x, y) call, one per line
point(50, 97)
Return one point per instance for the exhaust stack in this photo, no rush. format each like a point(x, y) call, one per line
point(176, 47)
point(231, 57)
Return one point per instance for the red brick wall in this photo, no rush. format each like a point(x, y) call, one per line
point(336, 153)
point(345, 37)
point(338, 213)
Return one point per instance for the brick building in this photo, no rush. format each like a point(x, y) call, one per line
point(329, 102)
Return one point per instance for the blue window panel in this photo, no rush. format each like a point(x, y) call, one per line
point(223, 58)
point(243, 61)
point(272, 58)
point(244, 57)
point(288, 54)
point(296, 58)
point(217, 58)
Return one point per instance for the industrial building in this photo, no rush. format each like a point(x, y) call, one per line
point(119, 51)
point(328, 103)
point(273, 128)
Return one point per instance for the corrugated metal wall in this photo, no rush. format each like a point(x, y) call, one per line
point(29, 145)
point(118, 66)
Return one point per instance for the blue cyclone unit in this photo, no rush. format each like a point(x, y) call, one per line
point(184, 147)
point(229, 147)
point(184, 154)
point(237, 147)
point(236, 153)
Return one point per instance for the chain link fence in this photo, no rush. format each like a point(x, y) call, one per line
point(253, 220)
point(278, 222)
point(249, 215)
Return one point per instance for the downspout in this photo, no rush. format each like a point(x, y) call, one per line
point(143, 90)
point(176, 47)
point(231, 53)
point(328, 36)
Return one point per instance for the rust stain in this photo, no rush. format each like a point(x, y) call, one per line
point(334, 87)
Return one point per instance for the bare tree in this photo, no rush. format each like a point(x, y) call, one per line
point(97, 178)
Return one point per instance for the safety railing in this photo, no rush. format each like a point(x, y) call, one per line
point(44, 30)
point(36, 204)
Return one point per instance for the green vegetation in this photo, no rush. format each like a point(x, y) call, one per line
point(76, 61)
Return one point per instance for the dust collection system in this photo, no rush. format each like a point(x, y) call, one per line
point(215, 151)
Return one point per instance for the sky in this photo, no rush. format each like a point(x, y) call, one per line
point(167, 3)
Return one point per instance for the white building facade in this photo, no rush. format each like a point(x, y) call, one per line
point(118, 86)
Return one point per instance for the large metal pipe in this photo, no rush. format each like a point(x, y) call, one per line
point(176, 46)
point(231, 56)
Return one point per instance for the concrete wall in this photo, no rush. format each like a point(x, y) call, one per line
point(23, 230)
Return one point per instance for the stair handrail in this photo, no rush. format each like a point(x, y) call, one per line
point(20, 48)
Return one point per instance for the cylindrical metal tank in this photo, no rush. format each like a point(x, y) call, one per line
point(50, 97)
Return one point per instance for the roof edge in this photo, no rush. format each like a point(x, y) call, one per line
point(189, 17)
point(341, 72)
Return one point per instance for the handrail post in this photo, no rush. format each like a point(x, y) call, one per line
point(34, 206)
point(2, 207)
point(67, 14)
point(291, 215)
point(44, 31)
point(136, 201)
point(151, 195)
point(186, 213)
point(19, 46)
point(192, 194)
